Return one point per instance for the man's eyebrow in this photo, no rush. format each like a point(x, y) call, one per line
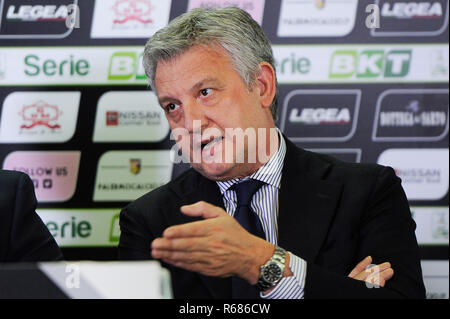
point(204, 82)
point(165, 99)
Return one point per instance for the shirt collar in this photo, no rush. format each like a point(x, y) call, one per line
point(269, 173)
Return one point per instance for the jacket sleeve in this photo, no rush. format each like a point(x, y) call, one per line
point(387, 233)
point(135, 238)
point(30, 240)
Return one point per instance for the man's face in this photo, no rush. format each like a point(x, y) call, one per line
point(202, 85)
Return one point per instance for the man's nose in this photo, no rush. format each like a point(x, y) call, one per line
point(194, 117)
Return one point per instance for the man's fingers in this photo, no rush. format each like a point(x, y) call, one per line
point(363, 275)
point(198, 228)
point(381, 277)
point(387, 274)
point(185, 244)
point(202, 209)
point(173, 257)
point(361, 266)
point(193, 229)
point(201, 228)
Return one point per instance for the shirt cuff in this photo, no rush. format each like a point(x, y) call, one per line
point(290, 287)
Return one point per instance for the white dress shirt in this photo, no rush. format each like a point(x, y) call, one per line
point(265, 204)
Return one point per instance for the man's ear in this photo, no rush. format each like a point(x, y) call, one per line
point(266, 83)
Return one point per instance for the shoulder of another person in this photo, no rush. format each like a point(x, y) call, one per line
point(12, 180)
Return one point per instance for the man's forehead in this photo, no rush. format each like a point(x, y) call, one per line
point(197, 64)
point(196, 56)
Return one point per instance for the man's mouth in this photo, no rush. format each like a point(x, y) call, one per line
point(209, 143)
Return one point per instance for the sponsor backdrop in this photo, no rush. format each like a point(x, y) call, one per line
point(365, 81)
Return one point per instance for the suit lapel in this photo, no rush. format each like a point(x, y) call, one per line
point(206, 190)
point(307, 203)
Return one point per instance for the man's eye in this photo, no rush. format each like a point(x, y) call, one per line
point(171, 107)
point(205, 92)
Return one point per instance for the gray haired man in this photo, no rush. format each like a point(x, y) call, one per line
point(291, 224)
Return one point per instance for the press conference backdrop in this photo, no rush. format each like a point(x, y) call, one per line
point(78, 117)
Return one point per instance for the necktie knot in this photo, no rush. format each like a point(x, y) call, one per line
point(245, 191)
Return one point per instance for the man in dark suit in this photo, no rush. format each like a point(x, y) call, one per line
point(291, 224)
point(23, 235)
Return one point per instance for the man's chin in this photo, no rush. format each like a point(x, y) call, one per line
point(215, 171)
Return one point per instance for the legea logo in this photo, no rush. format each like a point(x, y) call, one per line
point(254, 7)
point(40, 20)
point(412, 18)
point(130, 116)
point(320, 115)
point(411, 115)
point(370, 64)
point(37, 13)
point(424, 172)
point(54, 174)
point(129, 18)
point(36, 117)
point(312, 18)
point(127, 175)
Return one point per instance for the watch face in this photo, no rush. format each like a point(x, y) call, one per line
point(272, 273)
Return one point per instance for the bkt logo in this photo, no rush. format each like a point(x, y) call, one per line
point(370, 64)
point(320, 115)
point(126, 66)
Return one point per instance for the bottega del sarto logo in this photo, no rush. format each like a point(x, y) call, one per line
point(412, 10)
point(413, 115)
point(40, 114)
point(318, 116)
point(41, 13)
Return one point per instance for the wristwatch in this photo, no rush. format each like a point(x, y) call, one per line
point(272, 271)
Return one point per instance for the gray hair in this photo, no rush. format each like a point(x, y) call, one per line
point(231, 28)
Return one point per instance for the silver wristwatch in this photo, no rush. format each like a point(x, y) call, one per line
point(272, 270)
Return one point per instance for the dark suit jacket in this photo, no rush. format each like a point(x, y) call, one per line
point(331, 213)
point(23, 235)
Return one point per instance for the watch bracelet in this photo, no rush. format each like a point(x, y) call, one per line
point(279, 257)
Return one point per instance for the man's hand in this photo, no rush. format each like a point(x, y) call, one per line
point(217, 246)
point(377, 274)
